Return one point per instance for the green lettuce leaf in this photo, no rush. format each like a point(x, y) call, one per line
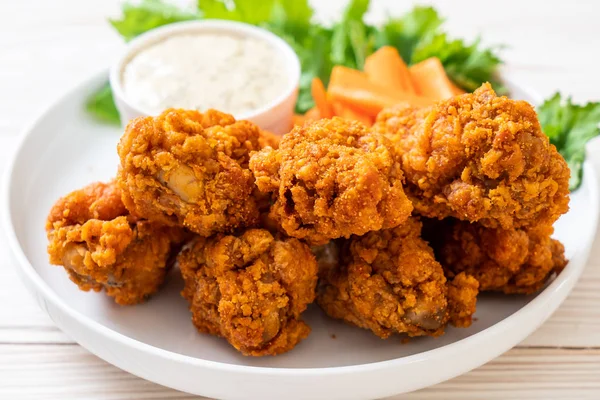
point(569, 127)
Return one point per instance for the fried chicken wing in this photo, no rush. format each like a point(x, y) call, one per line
point(331, 179)
point(509, 261)
point(103, 247)
point(190, 168)
point(389, 282)
point(250, 289)
point(479, 157)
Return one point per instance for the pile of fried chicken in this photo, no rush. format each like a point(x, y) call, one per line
point(394, 228)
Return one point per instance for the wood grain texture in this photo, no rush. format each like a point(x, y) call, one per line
point(48, 46)
point(520, 373)
point(525, 374)
point(576, 323)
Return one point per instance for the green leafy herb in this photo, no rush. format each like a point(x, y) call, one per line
point(467, 65)
point(409, 31)
point(417, 35)
point(250, 12)
point(292, 18)
point(316, 62)
point(349, 42)
point(101, 105)
point(148, 14)
point(218, 9)
point(569, 127)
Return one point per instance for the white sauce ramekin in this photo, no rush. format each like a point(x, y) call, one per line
point(275, 116)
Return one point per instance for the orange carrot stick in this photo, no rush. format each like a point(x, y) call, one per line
point(343, 110)
point(431, 80)
point(313, 114)
point(385, 67)
point(298, 119)
point(343, 75)
point(317, 89)
point(456, 90)
point(353, 88)
point(336, 106)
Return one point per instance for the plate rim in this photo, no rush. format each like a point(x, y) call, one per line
point(35, 281)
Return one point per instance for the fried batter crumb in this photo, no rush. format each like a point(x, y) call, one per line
point(250, 289)
point(509, 261)
point(190, 168)
point(462, 299)
point(389, 282)
point(331, 179)
point(103, 247)
point(479, 158)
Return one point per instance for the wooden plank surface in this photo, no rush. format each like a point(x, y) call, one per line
point(47, 46)
point(524, 373)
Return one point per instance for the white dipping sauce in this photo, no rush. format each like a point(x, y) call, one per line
point(205, 70)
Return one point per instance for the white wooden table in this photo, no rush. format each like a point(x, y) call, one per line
point(46, 46)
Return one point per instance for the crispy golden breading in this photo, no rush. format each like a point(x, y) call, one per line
point(389, 282)
point(462, 299)
point(510, 261)
point(250, 289)
point(331, 179)
point(479, 157)
point(101, 246)
point(267, 138)
point(190, 168)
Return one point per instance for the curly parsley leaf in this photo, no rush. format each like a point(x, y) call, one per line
point(569, 127)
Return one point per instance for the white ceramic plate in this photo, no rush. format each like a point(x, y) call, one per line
point(64, 150)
